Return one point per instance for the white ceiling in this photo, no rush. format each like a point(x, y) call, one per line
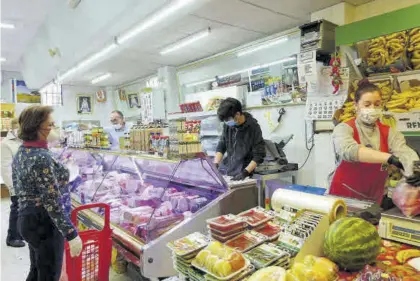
point(27, 15)
point(233, 23)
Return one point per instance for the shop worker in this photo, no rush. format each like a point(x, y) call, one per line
point(242, 140)
point(117, 130)
point(365, 147)
point(9, 147)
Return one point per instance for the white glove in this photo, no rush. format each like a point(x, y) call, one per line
point(76, 246)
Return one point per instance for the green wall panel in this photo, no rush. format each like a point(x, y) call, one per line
point(380, 25)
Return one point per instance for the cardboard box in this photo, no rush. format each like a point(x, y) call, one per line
point(408, 122)
point(4, 191)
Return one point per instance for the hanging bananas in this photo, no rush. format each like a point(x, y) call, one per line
point(414, 47)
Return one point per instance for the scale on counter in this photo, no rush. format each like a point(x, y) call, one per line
point(275, 160)
point(393, 225)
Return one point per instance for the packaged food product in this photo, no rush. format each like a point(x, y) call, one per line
point(255, 216)
point(271, 273)
point(269, 229)
point(407, 198)
point(246, 241)
point(265, 255)
point(313, 269)
point(189, 244)
point(225, 223)
point(238, 229)
point(371, 273)
point(223, 239)
point(220, 261)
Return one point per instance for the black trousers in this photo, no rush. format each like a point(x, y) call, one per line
point(13, 233)
point(46, 245)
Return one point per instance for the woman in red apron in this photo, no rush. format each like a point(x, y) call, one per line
point(365, 147)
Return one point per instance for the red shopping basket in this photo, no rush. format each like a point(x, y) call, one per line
point(95, 259)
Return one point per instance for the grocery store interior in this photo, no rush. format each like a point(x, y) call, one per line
point(210, 140)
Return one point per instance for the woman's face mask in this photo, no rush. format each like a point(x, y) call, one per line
point(370, 115)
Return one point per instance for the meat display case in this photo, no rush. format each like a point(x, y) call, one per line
point(153, 200)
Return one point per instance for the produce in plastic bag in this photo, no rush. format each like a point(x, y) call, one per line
point(271, 273)
point(313, 269)
point(371, 273)
point(407, 198)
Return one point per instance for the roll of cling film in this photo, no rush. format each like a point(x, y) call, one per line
point(267, 116)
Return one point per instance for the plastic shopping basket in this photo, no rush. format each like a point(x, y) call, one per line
point(95, 259)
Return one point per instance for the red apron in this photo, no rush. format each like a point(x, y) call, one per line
point(363, 181)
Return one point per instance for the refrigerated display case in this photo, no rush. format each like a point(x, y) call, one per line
point(153, 200)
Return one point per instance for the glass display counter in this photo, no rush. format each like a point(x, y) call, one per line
point(153, 200)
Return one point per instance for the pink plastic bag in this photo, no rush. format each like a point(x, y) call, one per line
point(64, 276)
point(407, 198)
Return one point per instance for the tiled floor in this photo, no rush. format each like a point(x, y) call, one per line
point(15, 261)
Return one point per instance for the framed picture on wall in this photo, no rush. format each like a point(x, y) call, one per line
point(122, 94)
point(133, 100)
point(84, 104)
point(101, 96)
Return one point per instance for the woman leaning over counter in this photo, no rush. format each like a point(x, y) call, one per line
point(364, 148)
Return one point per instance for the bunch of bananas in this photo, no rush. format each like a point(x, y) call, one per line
point(386, 89)
point(348, 112)
point(389, 120)
point(414, 47)
point(385, 50)
point(405, 101)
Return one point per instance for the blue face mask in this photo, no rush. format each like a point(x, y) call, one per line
point(231, 123)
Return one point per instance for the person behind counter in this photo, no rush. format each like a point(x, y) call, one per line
point(9, 147)
point(241, 139)
point(39, 180)
point(118, 129)
point(364, 147)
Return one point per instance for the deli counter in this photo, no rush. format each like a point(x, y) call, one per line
point(153, 200)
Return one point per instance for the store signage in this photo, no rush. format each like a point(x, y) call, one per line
point(229, 80)
point(408, 122)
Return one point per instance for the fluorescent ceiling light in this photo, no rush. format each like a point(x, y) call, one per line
point(186, 41)
point(101, 78)
point(7, 25)
point(2, 59)
point(90, 60)
point(153, 19)
point(262, 46)
point(244, 70)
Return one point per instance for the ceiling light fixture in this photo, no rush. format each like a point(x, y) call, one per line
point(186, 41)
point(243, 70)
point(7, 25)
point(101, 78)
point(2, 59)
point(154, 19)
point(90, 60)
point(262, 46)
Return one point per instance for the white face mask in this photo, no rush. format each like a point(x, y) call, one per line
point(117, 126)
point(370, 115)
point(53, 136)
point(15, 132)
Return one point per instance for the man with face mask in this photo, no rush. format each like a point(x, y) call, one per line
point(118, 129)
point(9, 147)
point(241, 139)
point(365, 147)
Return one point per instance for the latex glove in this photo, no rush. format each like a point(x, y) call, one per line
point(414, 179)
point(76, 246)
point(241, 176)
point(393, 160)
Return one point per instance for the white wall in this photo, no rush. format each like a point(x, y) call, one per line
point(68, 111)
point(321, 160)
point(6, 85)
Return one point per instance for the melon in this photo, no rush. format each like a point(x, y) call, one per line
point(352, 243)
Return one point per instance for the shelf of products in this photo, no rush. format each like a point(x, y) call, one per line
point(187, 115)
point(152, 199)
point(257, 256)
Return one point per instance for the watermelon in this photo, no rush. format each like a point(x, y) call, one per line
point(352, 243)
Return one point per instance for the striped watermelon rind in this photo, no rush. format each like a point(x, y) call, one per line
point(352, 243)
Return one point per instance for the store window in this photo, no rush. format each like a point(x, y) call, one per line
point(51, 94)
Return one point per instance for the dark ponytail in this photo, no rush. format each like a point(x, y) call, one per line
point(365, 87)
